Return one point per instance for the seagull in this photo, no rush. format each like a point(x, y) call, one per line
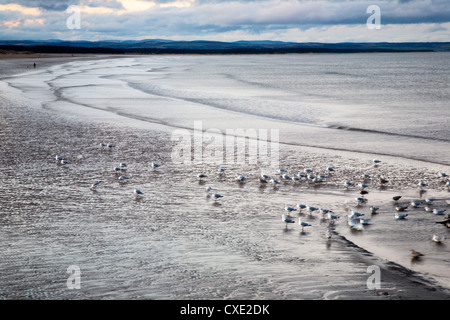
point(289, 209)
point(303, 224)
point(355, 224)
point(208, 188)
point(422, 184)
point(265, 176)
point(155, 165)
point(296, 179)
point(401, 208)
point(348, 184)
point(221, 170)
point(373, 209)
point(200, 176)
point(366, 176)
point(281, 171)
point(396, 198)
point(443, 174)
point(274, 181)
point(122, 178)
point(361, 200)
point(383, 180)
point(240, 177)
point(64, 161)
point(103, 145)
point(308, 170)
point(117, 169)
point(217, 196)
point(415, 204)
point(332, 217)
point(438, 239)
point(301, 175)
point(400, 216)
point(363, 185)
point(355, 214)
point(123, 165)
point(376, 161)
point(286, 177)
point(429, 200)
point(428, 209)
point(59, 158)
point(110, 146)
point(311, 209)
point(301, 207)
point(95, 185)
point(415, 254)
point(330, 169)
point(439, 212)
point(138, 193)
point(262, 180)
point(287, 220)
point(364, 221)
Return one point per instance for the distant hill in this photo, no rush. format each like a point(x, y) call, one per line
point(162, 46)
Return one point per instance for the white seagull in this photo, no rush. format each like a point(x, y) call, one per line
point(200, 176)
point(439, 212)
point(348, 184)
point(155, 165)
point(303, 224)
point(95, 185)
point(438, 238)
point(311, 209)
point(400, 216)
point(289, 209)
point(287, 220)
point(217, 196)
point(240, 177)
point(138, 193)
point(301, 207)
point(415, 204)
point(373, 209)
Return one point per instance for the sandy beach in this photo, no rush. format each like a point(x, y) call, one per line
point(176, 242)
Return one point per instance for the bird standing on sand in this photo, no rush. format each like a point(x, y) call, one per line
point(138, 193)
point(201, 176)
point(416, 254)
point(95, 185)
point(437, 238)
point(287, 220)
point(303, 224)
point(400, 216)
point(396, 198)
point(373, 209)
point(216, 196)
point(301, 207)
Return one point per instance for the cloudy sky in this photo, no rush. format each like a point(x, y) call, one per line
point(226, 20)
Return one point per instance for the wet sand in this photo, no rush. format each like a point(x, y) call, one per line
point(176, 242)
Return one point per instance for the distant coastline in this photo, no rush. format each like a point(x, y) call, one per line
point(211, 47)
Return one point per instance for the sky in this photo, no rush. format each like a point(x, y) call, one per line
point(227, 20)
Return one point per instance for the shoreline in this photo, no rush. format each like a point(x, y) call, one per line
point(60, 128)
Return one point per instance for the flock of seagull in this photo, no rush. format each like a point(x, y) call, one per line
point(355, 219)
